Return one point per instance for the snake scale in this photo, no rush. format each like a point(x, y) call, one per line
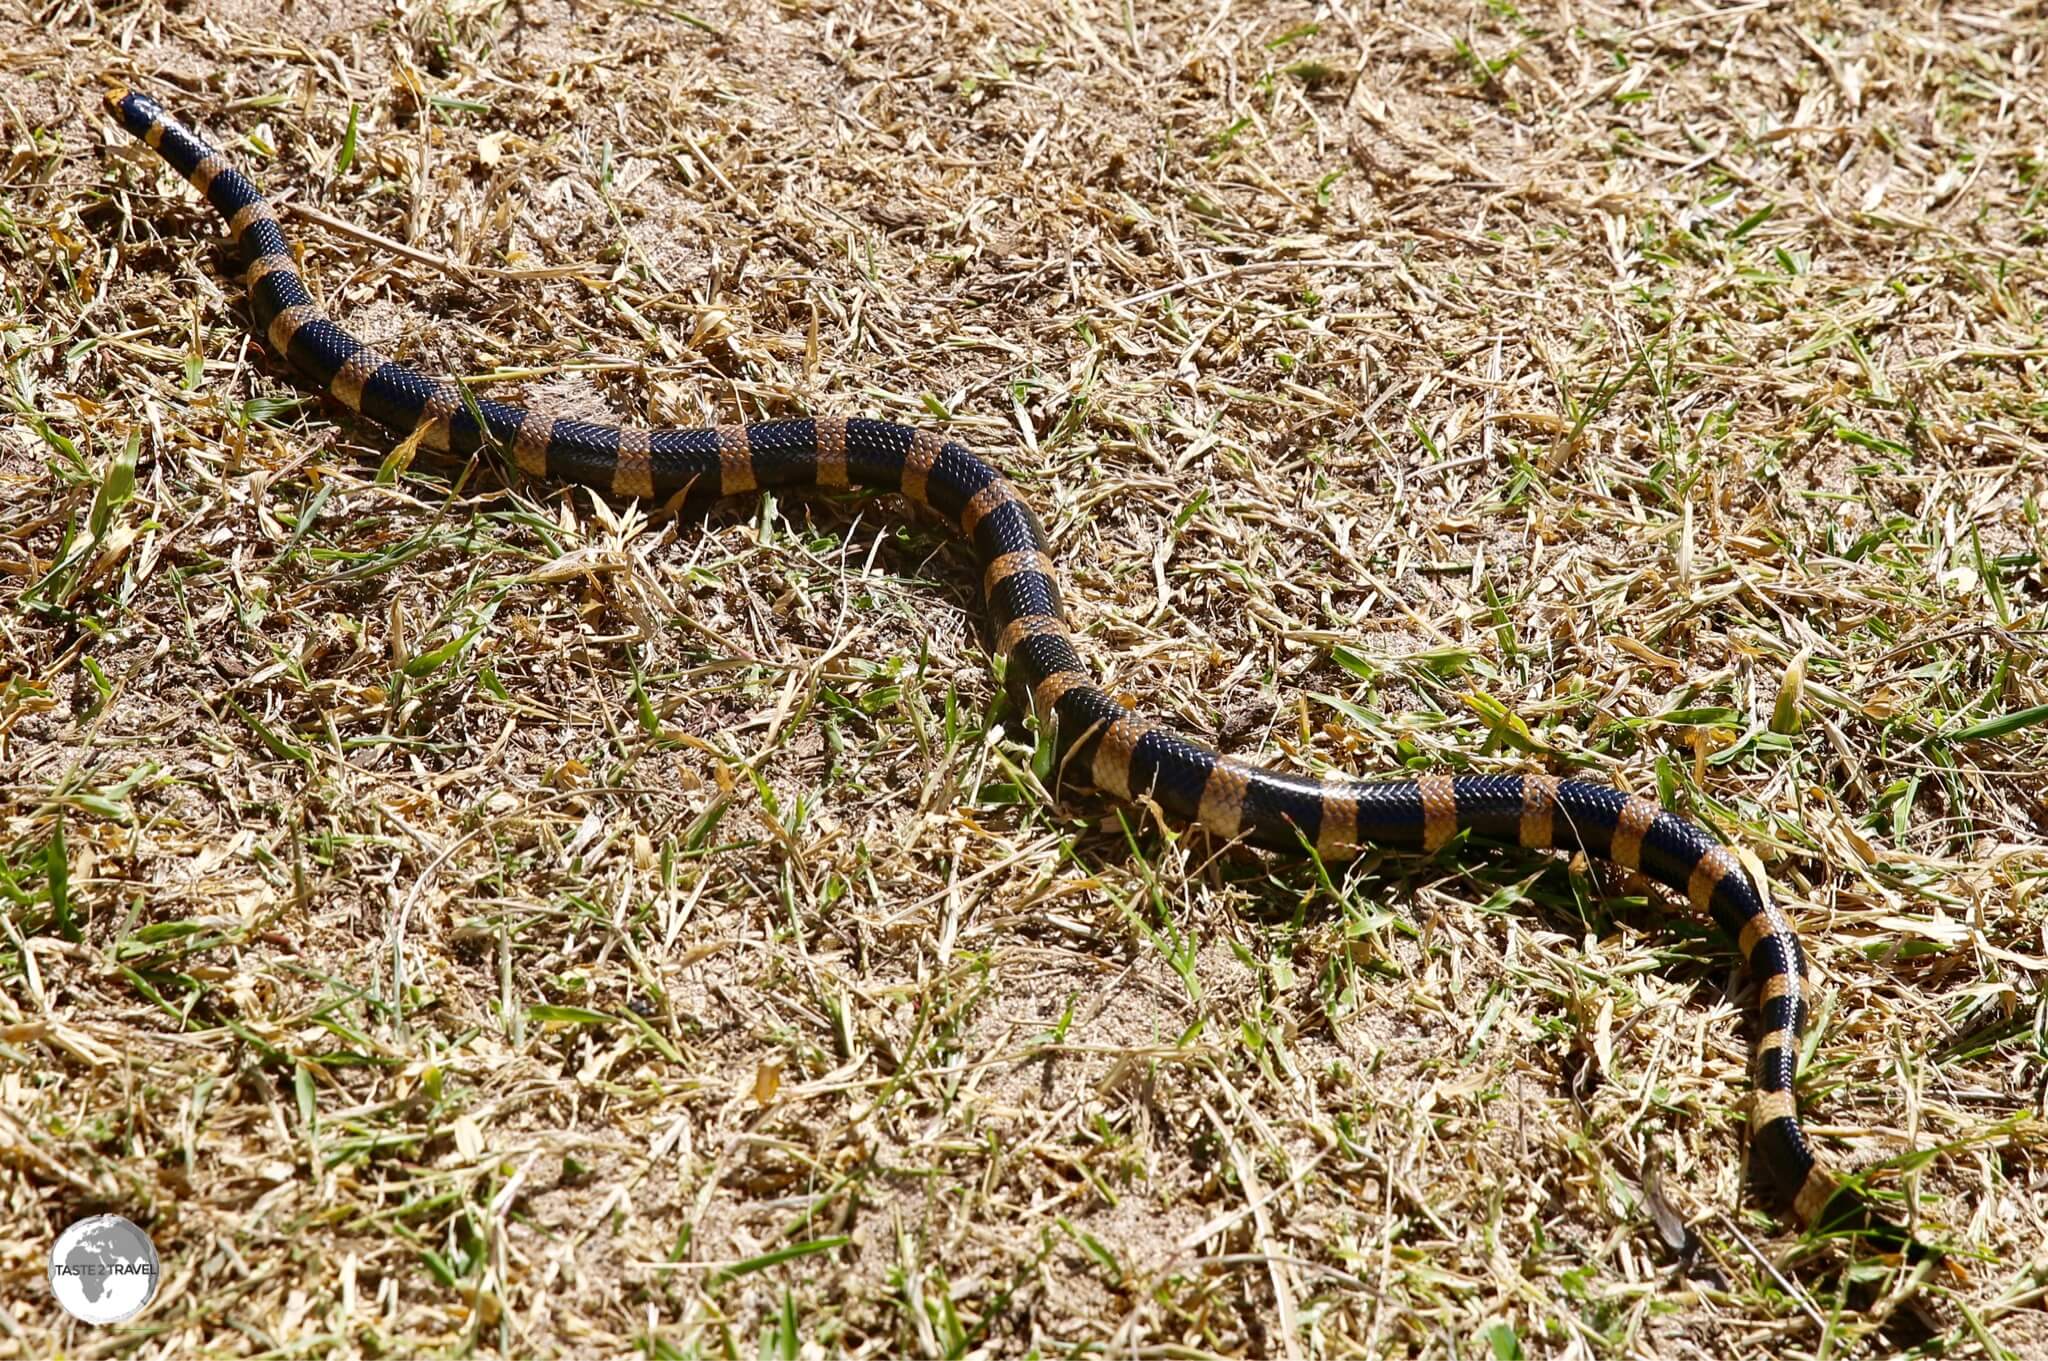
point(1095, 737)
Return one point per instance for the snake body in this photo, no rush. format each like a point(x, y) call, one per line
point(1096, 739)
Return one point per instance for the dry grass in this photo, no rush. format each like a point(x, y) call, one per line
point(459, 917)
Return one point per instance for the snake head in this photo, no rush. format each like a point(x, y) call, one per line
point(136, 112)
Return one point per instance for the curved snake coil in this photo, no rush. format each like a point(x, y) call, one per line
point(1095, 737)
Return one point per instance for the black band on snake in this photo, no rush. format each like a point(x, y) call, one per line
point(1096, 739)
